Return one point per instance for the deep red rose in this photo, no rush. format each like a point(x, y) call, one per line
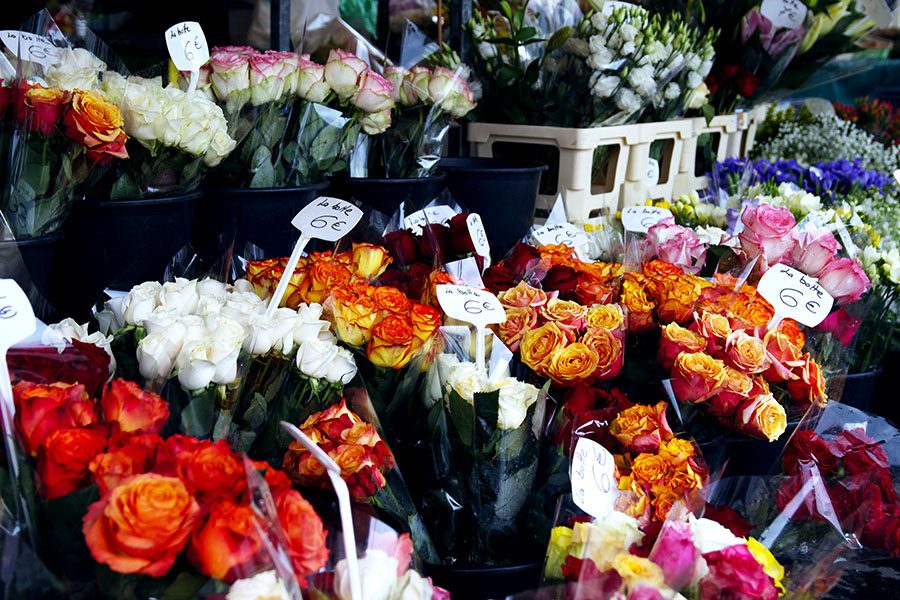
point(851, 439)
point(403, 246)
point(460, 240)
point(806, 447)
point(522, 258)
point(64, 457)
point(883, 532)
point(434, 242)
point(6, 96)
point(418, 280)
point(729, 518)
point(746, 83)
point(866, 459)
point(499, 277)
point(561, 279)
point(395, 278)
point(80, 362)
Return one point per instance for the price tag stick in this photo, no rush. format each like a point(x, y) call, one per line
point(343, 495)
point(192, 86)
point(479, 347)
point(286, 276)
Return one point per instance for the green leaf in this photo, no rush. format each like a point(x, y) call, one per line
point(559, 38)
point(462, 417)
point(197, 416)
point(708, 112)
point(264, 176)
point(185, 587)
point(255, 415)
point(506, 10)
point(487, 409)
point(523, 35)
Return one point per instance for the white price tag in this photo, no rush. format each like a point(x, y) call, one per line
point(593, 475)
point(187, 46)
point(501, 356)
point(16, 315)
point(652, 171)
point(641, 218)
point(795, 295)
point(561, 233)
point(784, 14)
point(33, 48)
point(897, 176)
point(470, 305)
point(876, 10)
point(432, 215)
point(479, 237)
point(327, 218)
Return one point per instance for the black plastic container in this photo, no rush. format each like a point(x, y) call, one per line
point(261, 216)
point(386, 195)
point(859, 389)
point(502, 191)
point(33, 263)
point(118, 244)
point(481, 583)
point(746, 456)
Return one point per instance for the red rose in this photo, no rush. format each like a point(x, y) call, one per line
point(434, 241)
point(883, 532)
point(729, 518)
point(865, 460)
point(106, 152)
point(80, 362)
point(126, 455)
point(561, 279)
point(228, 545)
point(787, 491)
point(6, 95)
point(212, 471)
point(522, 258)
point(43, 409)
point(304, 533)
point(806, 447)
point(499, 277)
point(418, 279)
point(171, 452)
point(64, 457)
point(45, 108)
point(403, 246)
point(134, 409)
point(592, 583)
point(734, 573)
point(460, 239)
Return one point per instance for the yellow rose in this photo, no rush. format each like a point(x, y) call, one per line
point(649, 468)
point(769, 563)
point(538, 346)
point(675, 339)
point(609, 351)
point(762, 416)
point(607, 316)
point(696, 376)
point(354, 314)
point(636, 571)
point(370, 260)
point(745, 352)
point(575, 363)
point(557, 551)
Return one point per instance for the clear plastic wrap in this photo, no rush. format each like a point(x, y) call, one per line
point(319, 146)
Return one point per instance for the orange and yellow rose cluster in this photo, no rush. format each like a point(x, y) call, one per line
point(656, 467)
point(561, 339)
point(353, 444)
point(159, 499)
point(390, 327)
point(319, 273)
point(84, 117)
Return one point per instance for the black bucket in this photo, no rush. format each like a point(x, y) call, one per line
point(261, 216)
point(746, 456)
point(481, 583)
point(859, 389)
point(386, 195)
point(503, 191)
point(32, 263)
point(118, 244)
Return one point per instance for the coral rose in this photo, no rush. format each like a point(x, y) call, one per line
point(304, 533)
point(675, 339)
point(641, 428)
point(524, 295)
point(127, 455)
point(64, 458)
point(715, 328)
point(142, 525)
point(538, 346)
point(745, 352)
point(573, 364)
point(809, 386)
point(519, 321)
point(736, 389)
point(761, 416)
point(391, 345)
point(782, 355)
point(92, 121)
point(212, 471)
point(229, 545)
point(567, 314)
point(43, 409)
point(134, 409)
point(609, 351)
point(696, 376)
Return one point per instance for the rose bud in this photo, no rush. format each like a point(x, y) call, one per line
point(675, 339)
point(403, 246)
point(370, 260)
point(134, 409)
point(499, 277)
point(809, 386)
point(460, 240)
point(376, 123)
point(695, 377)
point(45, 106)
point(230, 76)
point(267, 82)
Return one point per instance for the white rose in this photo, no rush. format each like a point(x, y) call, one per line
point(467, 380)
point(412, 586)
point(627, 101)
point(160, 319)
point(605, 85)
point(314, 358)
point(112, 317)
point(194, 328)
point(262, 586)
point(343, 367)
point(604, 539)
point(59, 334)
point(156, 355)
point(514, 401)
point(77, 69)
point(698, 97)
point(225, 329)
point(311, 84)
point(180, 295)
point(202, 362)
point(141, 108)
point(710, 536)
point(378, 574)
point(212, 288)
point(140, 302)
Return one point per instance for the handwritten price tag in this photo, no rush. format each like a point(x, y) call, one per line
point(30, 47)
point(784, 14)
point(641, 218)
point(16, 316)
point(652, 171)
point(431, 215)
point(479, 236)
point(593, 475)
point(470, 305)
point(561, 233)
point(187, 46)
point(795, 295)
point(327, 219)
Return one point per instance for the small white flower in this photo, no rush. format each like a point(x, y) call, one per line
point(627, 101)
point(262, 586)
point(605, 85)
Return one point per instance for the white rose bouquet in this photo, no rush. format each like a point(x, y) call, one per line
point(228, 370)
point(174, 137)
point(485, 438)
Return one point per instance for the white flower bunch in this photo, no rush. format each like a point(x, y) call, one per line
point(200, 328)
point(466, 379)
point(156, 115)
point(62, 333)
point(691, 210)
point(77, 69)
point(797, 200)
point(262, 586)
point(828, 138)
point(380, 580)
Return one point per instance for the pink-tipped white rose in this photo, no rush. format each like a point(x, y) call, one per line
point(230, 76)
point(343, 71)
point(374, 94)
point(266, 78)
point(375, 123)
point(768, 230)
point(418, 81)
point(449, 91)
point(845, 280)
point(815, 249)
point(677, 245)
point(403, 92)
point(311, 84)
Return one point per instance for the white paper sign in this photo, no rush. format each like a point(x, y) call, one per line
point(795, 295)
point(479, 236)
point(652, 171)
point(784, 14)
point(16, 315)
point(327, 218)
point(561, 233)
point(641, 218)
point(433, 215)
point(34, 48)
point(470, 305)
point(187, 46)
point(501, 356)
point(593, 475)
point(897, 175)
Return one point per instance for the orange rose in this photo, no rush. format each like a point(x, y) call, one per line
point(746, 353)
point(324, 276)
point(557, 253)
point(64, 459)
point(659, 270)
point(609, 352)
point(391, 345)
point(589, 290)
point(736, 388)
point(761, 416)
point(809, 386)
point(714, 328)
point(640, 308)
point(127, 455)
point(678, 301)
point(134, 409)
point(391, 300)
point(696, 376)
point(573, 364)
point(45, 107)
point(683, 479)
point(607, 316)
point(370, 260)
point(142, 525)
point(303, 532)
point(675, 339)
point(524, 295)
point(790, 329)
point(565, 313)
point(676, 451)
point(297, 287)
point(641, 428)
point(782, 356)
point(425, 320)
point(212, 471)
point(435, 278)
point(228, 546)
point(648, 469)
point(662, 504)
point(538, 345)
point(354, 314)
point(519, 321)
point(43, 409)
point(92, 121)
point(752, 309)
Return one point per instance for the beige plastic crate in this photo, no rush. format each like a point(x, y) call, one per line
point(625, 182)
